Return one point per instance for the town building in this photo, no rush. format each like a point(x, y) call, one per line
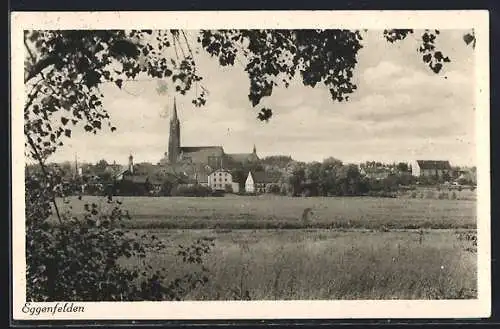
point(258, 182)
point(431, 168)
point(220, 179)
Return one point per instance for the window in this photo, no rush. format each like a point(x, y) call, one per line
point(226, 179)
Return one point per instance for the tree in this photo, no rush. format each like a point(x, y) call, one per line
point(276, 161)
point(76, 258)
point(101, 165)
point(239, 175)
point(296, 178)
point(349, 181)
point(402, 167)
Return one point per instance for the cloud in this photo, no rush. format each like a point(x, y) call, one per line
point(401, 110)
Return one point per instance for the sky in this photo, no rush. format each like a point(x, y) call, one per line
point(401, 111)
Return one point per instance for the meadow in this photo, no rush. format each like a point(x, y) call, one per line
point(277, 212)
point(323, 264)
point(348, 248)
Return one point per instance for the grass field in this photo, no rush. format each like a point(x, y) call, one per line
point(271, 212)
point(323, 264)
point(351, 248)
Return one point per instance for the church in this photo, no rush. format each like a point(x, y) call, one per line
point(193, 163)
point(209, 157)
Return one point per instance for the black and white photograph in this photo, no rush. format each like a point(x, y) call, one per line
point(261, 164)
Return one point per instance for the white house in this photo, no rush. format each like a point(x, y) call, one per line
point(249, 183)
point(220, 179)
point(257, 182)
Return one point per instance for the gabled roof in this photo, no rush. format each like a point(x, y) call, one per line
point(114, 168)
point(264, 177)
point(122, 172)
point(434, 164)
point(219, 170)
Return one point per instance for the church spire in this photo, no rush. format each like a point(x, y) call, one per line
point(76, 164)
point(174, 142)
point(174, 116)
point(254, 149)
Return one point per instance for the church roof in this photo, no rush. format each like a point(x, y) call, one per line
point(200, 154)
point(189, 149)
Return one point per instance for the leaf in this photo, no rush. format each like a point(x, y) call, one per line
point(64, 120)
point(265, 114)
point(119, 83)
point(468, 38)
point(67, 132)
point(436, 68)
point(124, 48)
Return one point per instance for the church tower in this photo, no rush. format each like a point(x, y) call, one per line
point(174, 142)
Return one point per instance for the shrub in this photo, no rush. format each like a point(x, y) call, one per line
point(413, 194)
point(77, 259)
point(273, 188)
point(195, 190)
point(454, 195)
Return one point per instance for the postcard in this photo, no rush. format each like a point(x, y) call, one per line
point(250, 165)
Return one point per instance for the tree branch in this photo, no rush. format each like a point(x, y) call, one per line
point(39, 66)
point(37, 154)
point(39, 158)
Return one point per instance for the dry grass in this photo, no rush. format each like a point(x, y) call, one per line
point(272, 212)
point(321, 264)
point(346, 248)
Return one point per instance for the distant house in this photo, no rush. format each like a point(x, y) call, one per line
point(220, 180)
point(431, 168)
point(257, 182)
point(121, 174)
point(114, 169)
